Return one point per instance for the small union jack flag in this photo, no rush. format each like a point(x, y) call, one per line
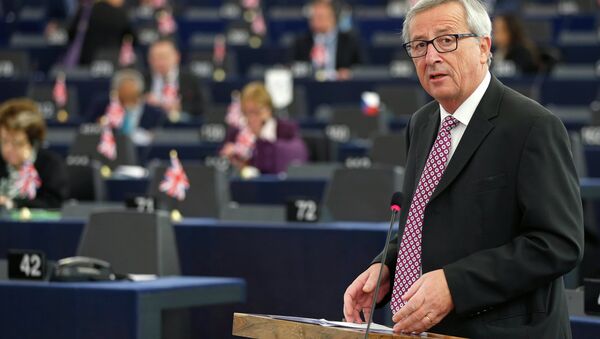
point(126, 54)
point(170, 94)
point(219, 50)
point(115, 113)
point(318, 55)
point(107, 145)
point(244, 143)
point(175, 183)
point(250, 3)
point(258, 26)
point(166, 23)
point(29, 181)
point(159, 3)
point(59, 92)
point(234, 111)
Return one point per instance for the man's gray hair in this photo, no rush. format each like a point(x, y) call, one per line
point(478, 20)
point(127, 74)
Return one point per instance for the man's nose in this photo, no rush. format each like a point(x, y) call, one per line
point(432, 55)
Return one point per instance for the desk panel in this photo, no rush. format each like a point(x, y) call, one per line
point(102, 310)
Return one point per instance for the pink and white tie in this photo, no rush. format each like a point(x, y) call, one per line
point(408, 264)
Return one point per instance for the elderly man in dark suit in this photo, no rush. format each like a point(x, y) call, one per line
point(164, 60)
point(492, 214)
point(324, 46)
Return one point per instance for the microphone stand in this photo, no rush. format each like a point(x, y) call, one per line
point(395, 210)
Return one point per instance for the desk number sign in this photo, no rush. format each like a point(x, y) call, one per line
point(26, 264)
point(302, 210)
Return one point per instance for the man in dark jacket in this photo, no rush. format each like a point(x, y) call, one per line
point(324, 46)
point(492, 216)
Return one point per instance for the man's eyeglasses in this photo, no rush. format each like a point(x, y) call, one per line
point(443, 44)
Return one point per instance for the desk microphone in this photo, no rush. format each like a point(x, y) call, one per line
point(395, 207)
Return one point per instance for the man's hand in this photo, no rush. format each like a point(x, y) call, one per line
point(359, 295)
point(427, 302)
point(151, 99)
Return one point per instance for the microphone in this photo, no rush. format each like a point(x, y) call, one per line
point(395, 207)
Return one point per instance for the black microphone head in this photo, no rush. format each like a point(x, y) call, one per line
point(396, 201)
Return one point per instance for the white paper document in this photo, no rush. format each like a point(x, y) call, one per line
point(375, 328)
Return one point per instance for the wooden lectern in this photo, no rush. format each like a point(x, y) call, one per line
point(257, 326)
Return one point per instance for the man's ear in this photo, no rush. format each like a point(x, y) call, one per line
point(485, 46)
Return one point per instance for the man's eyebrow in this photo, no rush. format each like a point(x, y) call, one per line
point(443, 30)
point(438, 32)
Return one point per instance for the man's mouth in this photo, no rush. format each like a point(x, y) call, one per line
point(434, 76)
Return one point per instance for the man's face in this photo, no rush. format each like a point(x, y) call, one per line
point(128, 92)
point(163, 58)
point(322, 18)
point(450, 77)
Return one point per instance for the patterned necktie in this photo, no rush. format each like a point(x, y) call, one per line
point(408, 264)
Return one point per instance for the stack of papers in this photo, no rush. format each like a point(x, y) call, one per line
point(375, 328)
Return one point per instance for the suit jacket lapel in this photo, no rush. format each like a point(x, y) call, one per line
point(427, 136)
point(476, 131)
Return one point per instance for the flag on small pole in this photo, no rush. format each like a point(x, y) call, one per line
point(258, 26)
point(219, 50)
point(60, 97)
point(370, 103)
point(115, 113)
point(107, 145)
point(126, 54)
point(175, 182)
point(244, 143)
point(166, 23)
point(29, 181)
point(234, 111)
point(59, 92)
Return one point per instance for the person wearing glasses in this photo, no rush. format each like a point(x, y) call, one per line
point(30, 176)
point(491, 218)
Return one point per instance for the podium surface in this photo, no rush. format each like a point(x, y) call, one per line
point(264, 327)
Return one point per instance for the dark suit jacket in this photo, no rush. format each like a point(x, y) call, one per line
point(192, 98)
point(505, 222)
point(152, 117)
point(275, 157)
point(107, 26)
point(348, 51)
point(55, 183)
point(523, 58)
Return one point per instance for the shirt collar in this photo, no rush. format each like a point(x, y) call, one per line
point(171, 76)
point(269, 130)
point(465, 111)
point(326, 38)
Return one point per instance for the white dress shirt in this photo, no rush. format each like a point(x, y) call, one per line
point(464, 113)
point(269, 130)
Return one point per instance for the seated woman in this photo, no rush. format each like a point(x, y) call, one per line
point(260, 140)
point(30, 176)
point(512, 44)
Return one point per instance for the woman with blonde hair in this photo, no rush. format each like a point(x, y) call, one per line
point(261, 140)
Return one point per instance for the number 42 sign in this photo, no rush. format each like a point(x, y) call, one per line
point(26, 264)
